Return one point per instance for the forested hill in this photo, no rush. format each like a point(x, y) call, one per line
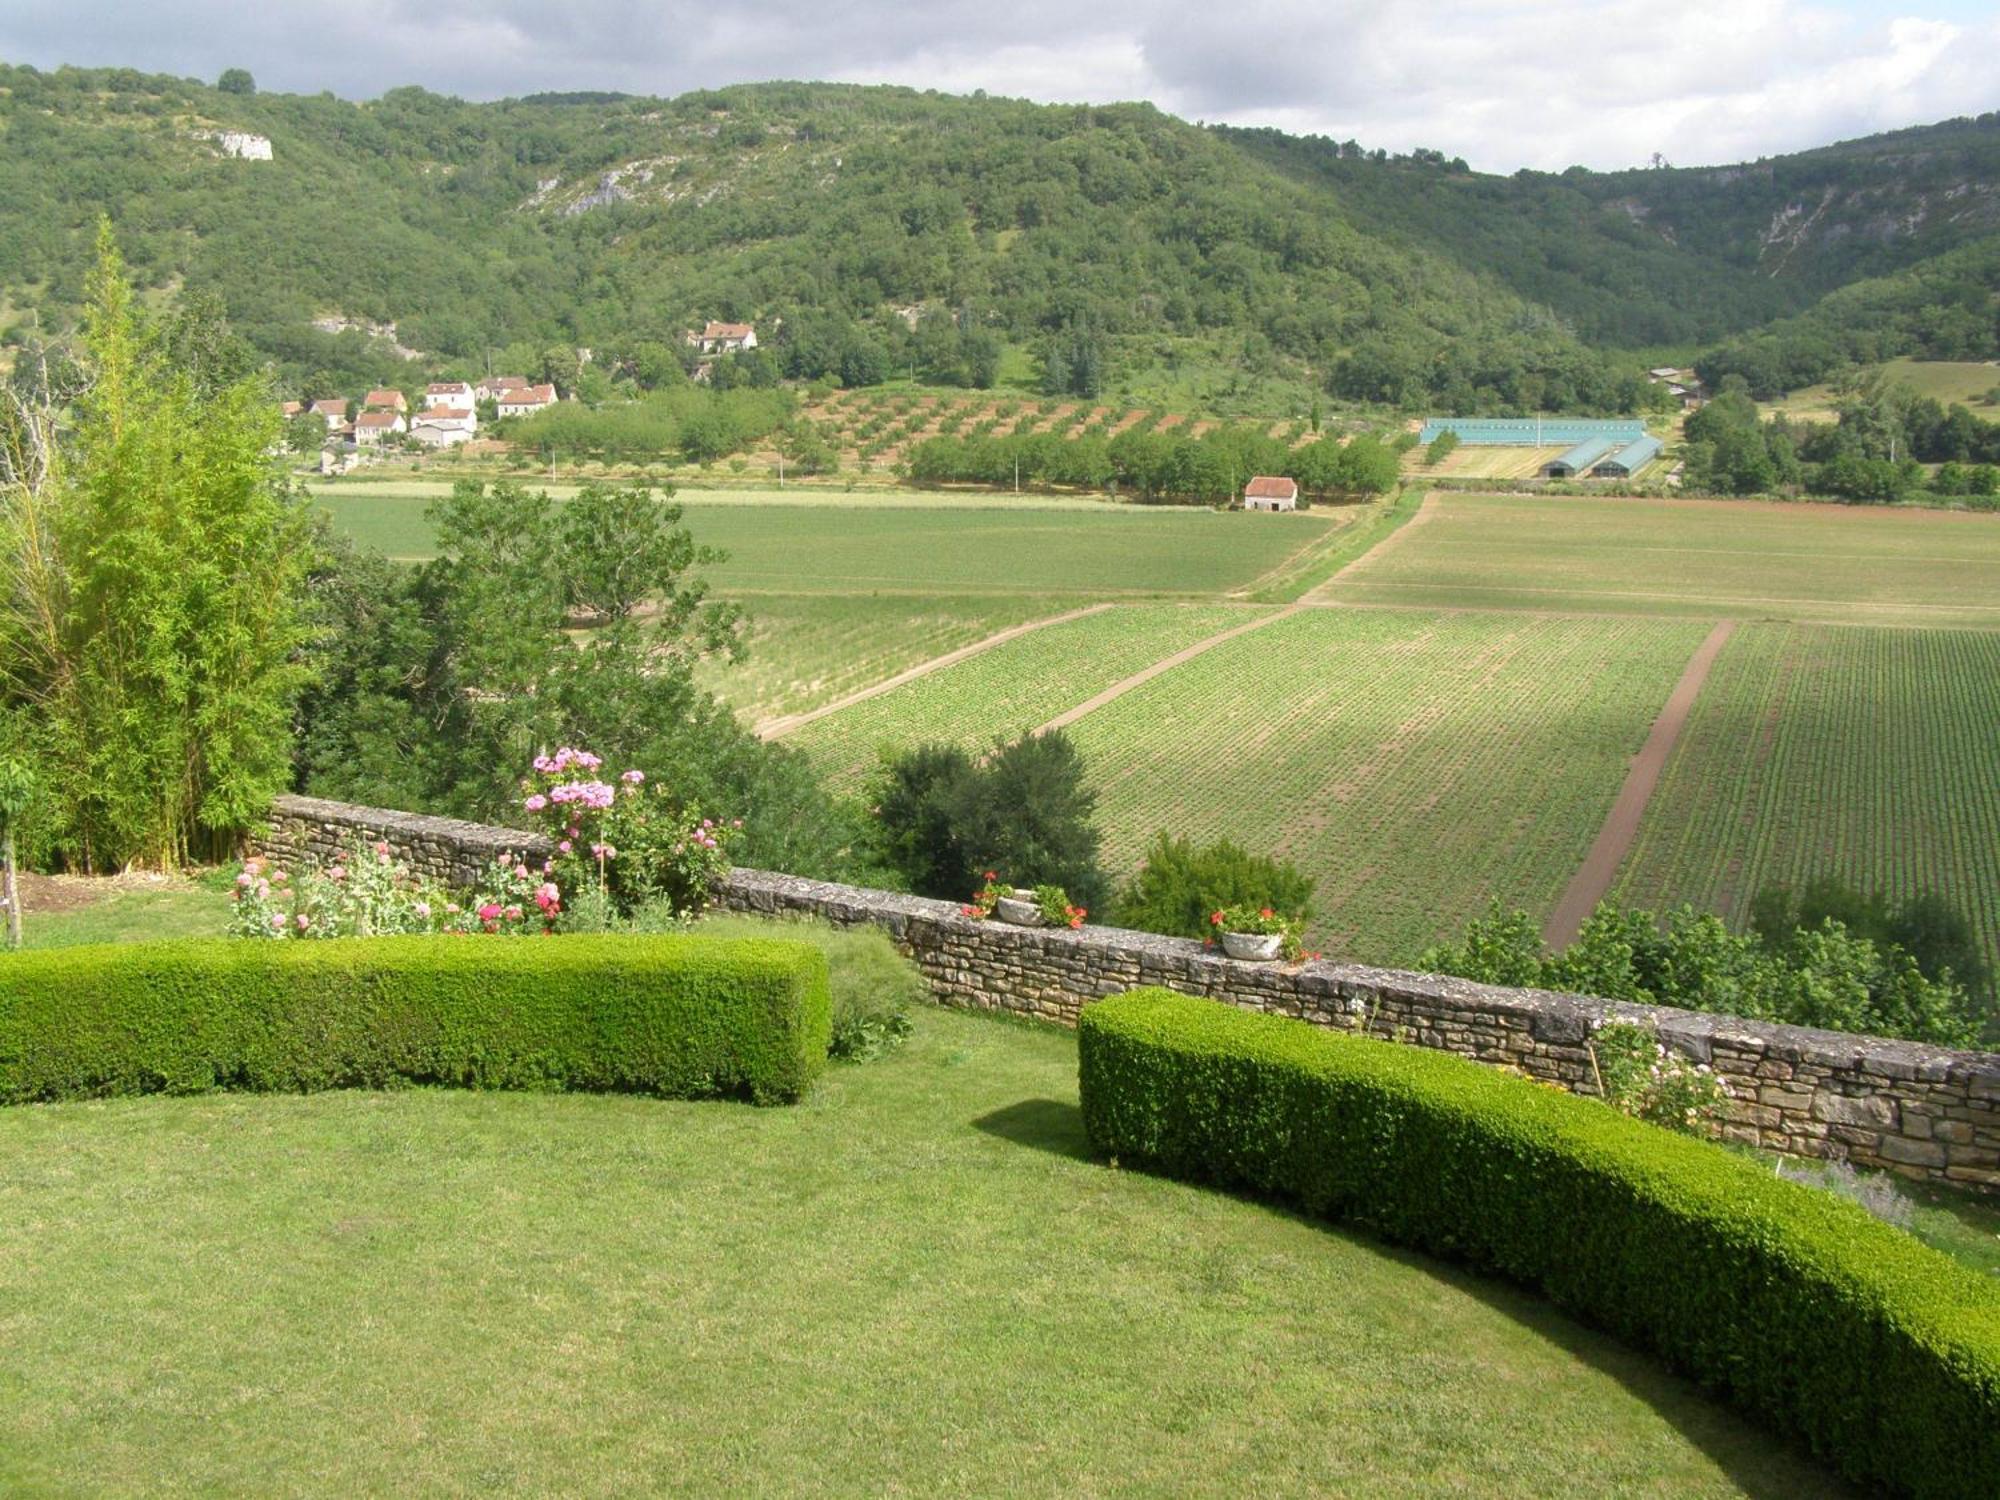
point(845, 215)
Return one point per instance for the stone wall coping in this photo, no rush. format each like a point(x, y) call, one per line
point(1549, 1015)
point(420, 827)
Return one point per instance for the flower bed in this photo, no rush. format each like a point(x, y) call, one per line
point(1881, 1354)
point(675, 1016)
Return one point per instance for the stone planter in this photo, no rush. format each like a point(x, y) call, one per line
point(1019, 910)
point(1253, 947)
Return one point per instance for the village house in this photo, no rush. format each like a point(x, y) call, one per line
point(457, 394)
point(334, 409)
point(493, 387)
point(724, 338)
point(384, 400)
point(378, 426)
point(458, 418)
point(290, 409)
point(527, 400)
point(1271, 492)
point(439, 434)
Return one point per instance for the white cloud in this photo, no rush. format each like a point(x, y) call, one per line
point(1504, 83)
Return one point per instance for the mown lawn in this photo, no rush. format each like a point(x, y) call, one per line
point(917, 1283)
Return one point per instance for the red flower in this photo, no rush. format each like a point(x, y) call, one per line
point(1265, 912)
point(1215, 920)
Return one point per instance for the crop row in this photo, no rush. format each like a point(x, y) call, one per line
point(1871, 755)
point(1013, 687)
point(806, 650)
point(1416, 765)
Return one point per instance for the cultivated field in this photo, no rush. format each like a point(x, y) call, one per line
point(1417, 764)
point(1013, 687)
point(923, 544)
point(1874, 754)
point(1470, 461)
point(1689, 557)
point(807, 650)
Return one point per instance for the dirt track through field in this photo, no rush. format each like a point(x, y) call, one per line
point(772, 729)
point(1600, 867)
point(1165, 664)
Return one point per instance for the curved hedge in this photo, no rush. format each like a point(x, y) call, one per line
point(678, 1016)
point(1791, 1303)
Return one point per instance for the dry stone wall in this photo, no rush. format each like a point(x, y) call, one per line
point(1925, 1112)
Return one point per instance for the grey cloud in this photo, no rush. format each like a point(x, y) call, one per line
point(1504, 83)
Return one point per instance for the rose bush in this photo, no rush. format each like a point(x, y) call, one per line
point(629, 838)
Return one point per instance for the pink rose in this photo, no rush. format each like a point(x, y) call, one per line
point(564, 847)
point(536, 803)
point(489, 911)
point(277, 920)
point(633, 778)
point(304, 921)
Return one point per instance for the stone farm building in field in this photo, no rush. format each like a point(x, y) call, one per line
point(1271, 492)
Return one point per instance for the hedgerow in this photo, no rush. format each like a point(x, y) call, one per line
point(683, 1017)
point(1794, 1305)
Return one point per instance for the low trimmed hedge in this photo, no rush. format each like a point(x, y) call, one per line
point(1794, 1305)
point(678, 1016)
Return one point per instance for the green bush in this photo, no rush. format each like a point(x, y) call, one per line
point(874, 987)
point(1795, 1306)
point(677, 1016)
point(1180, 886)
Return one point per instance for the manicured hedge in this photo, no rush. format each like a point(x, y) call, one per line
point(679, 1016)
point(1792, 1304)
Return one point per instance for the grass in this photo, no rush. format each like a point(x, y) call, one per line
point(1417, 765)
point(131, 910)
point(1966, 382)
point(915, 1283)
point(1012, 688)
point(807, 650)
point(1867, 754)
point(1690, 557)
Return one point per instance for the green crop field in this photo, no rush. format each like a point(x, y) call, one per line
point(1417, 764)
point(810, 649)
point(1011, 688)
point(1690, 557)
point(940, 546)
point(1873, 755)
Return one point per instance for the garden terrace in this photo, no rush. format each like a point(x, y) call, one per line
point(918, 1282)
point(1922, 1111)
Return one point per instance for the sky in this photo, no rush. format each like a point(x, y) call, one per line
point(1503, 83)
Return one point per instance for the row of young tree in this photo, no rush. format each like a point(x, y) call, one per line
point(1158, 466)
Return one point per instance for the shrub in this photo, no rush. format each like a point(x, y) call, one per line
point(874, 988)
point(676, 1016)
point(944, 819)
point(1796, 1306)
point(1180, 886)
point(1825, 976)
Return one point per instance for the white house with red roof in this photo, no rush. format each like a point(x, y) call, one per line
point(724, 338)
point(452, 393)
point(1271, 492)
point(378, 426)
point(527, 400)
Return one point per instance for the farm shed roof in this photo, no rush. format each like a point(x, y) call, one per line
point(1531, 432)
point(1271, 487)
point(1633, 456)
point(1584, 454)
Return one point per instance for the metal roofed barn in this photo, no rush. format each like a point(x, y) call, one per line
point(1579, 458)
point(1531, 432)
point(1629, 459)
